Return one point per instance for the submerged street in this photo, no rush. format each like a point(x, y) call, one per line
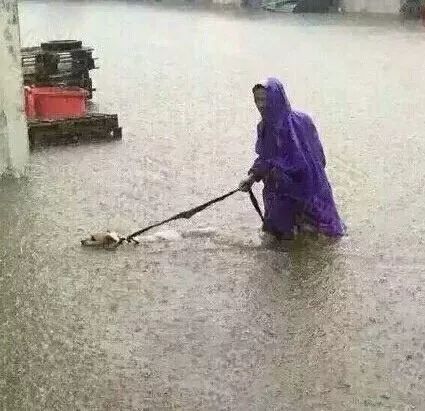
point(218, 322)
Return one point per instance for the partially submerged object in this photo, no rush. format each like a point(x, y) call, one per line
point(108, 240)
point(282, 6)
point(299, 6)
point(90, 128)
point(412, 9)
point(57, 87)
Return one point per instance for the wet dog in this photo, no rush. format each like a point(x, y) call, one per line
point(108, 240)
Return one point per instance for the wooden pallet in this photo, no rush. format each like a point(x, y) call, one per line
point(93, 127)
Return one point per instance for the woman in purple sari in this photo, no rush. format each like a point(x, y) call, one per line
point(291, 163)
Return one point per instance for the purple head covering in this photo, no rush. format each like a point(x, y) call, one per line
point(291, 162)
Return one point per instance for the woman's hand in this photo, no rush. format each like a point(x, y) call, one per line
point(246, 184)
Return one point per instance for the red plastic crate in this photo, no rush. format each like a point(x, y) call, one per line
point(51, 103)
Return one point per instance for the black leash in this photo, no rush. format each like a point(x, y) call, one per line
point(255, 204)
point(190, 213)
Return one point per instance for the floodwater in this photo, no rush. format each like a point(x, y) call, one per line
point(219, 322)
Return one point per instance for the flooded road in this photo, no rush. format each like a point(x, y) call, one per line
point(218, 322)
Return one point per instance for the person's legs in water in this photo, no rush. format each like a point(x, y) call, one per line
point(279, 218)
point(305, 226)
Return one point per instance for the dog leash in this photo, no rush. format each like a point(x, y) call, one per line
point(255, 204)
point(190, 213)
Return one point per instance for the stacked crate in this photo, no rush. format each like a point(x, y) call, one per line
point(65, 62)
point(57, 84)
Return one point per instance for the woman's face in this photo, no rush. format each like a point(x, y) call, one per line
point(260, 100)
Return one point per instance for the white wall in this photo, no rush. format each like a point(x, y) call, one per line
point(372, 6)
point(13, 127)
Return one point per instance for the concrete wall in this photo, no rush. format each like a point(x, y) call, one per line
point(13, 127)
point(371, 6)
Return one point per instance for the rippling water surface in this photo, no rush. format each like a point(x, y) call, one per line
point(218, 322)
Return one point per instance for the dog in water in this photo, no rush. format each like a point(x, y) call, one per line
point(108, 240)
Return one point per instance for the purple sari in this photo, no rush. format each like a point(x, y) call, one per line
point(291, 163)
